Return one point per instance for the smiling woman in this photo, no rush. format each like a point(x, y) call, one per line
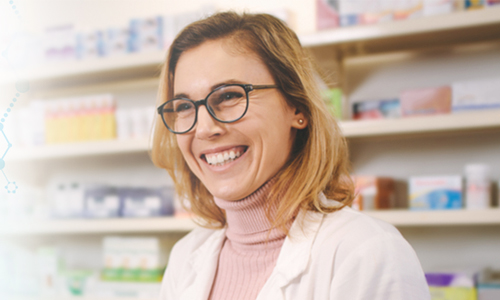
point(250, 144)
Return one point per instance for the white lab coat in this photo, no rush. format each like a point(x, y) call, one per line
point(345, 255)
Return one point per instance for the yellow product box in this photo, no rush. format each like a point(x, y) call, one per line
point(453, 293)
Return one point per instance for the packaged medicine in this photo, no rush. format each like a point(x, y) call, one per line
point(477, 186)
point(373, 193)
point(435, 192)
point(426, 101)
point(476, 94)
point(451, 286)
point(380, 109)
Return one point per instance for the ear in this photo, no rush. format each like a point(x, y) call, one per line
point(299, 120)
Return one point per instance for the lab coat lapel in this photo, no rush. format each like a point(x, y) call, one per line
point(204, 265)
point(294, 255)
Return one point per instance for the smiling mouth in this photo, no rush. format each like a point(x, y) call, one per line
point(224, 157)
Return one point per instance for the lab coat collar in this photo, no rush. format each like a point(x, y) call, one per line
point(292, 261)
point(204, 262)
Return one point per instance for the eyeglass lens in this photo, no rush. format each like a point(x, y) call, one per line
point(226, 104)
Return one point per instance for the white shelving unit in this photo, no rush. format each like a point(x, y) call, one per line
point(370, 155)
point(81, 149)
point(96, 226)
point(435, 25)
point(399, 218)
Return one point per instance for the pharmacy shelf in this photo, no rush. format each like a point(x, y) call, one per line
point(461, 27)
point(402, 218)
point(458, 122)
point(96, 226)
point(74, 150)
point(408, 218)
point(109, 66)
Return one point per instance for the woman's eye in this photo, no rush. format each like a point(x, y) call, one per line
point(231, 96)
point(184, 107)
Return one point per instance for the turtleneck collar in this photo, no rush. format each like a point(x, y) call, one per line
point(247, 224)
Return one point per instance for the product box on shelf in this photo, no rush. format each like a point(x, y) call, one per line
point(59, 43)
point(435, 192)
point(491, 3)
point(451, 286)
point(426, 101)
point(437, 7)
point(116, 41)
point(333, 100)
point(408, 9)
point(378, 109)
point(474, 4)
point(374, 192)
point(133, 123)
point(377, 11)
point(133, 259)
point(146, 202)
point(79, 119)
point(102, 202)
point(90, 44)
point(488, 285)
point(476, 94)
point(66, 198)
point(327, 14)
point(146, 34)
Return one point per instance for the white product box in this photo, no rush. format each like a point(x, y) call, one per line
point(437, 7)
point(435, 192)
point(66, 199)
point(116, 41)
point(476, 94)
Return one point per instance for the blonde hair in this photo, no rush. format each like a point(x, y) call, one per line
point(319, 158)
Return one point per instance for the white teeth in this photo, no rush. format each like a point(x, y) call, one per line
point(222, 158)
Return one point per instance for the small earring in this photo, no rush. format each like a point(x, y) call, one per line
point(301, 121)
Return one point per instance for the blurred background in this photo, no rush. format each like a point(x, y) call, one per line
point(414, 84)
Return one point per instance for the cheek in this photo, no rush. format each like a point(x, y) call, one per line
point(184, 145)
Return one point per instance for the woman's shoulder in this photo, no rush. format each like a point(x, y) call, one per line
point(348, 230)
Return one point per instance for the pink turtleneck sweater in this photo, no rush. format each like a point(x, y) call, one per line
point(250, 252)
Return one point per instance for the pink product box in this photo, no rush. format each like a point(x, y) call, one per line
point(327, 14)
point(427, 101)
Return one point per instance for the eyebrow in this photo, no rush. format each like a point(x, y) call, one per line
point(213, 87)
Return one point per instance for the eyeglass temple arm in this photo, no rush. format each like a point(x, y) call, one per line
point(261, 87)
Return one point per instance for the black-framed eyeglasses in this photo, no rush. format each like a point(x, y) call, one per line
point(226, 104)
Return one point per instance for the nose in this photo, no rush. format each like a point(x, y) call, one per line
point(206, 127)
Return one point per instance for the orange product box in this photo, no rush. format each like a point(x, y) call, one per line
point(373, 192)
point(426, 101)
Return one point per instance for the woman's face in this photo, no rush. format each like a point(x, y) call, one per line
point(262, 138)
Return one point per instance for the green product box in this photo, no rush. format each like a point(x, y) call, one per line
point(333, 100)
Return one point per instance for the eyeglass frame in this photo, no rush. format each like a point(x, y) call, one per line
point(197, 103)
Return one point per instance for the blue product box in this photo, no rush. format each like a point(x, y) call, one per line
point(435, 192)
point(101, 202)
point(90, 44)
point(116, 41)
point(147, 202)
point(378, 109)
point(146, 34)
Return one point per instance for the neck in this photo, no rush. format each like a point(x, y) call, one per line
point(247, 223)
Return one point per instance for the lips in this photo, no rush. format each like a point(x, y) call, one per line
point(222, 157)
